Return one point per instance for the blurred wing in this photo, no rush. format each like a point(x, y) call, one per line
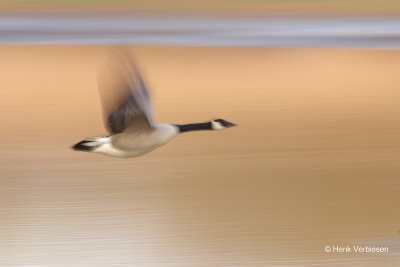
point(124, 97)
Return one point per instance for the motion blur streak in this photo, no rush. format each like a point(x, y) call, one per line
point(200, 30)
point(313, 163)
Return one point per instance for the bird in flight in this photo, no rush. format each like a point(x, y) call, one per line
point(128, 116)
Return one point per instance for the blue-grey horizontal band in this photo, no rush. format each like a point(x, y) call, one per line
point(361, 32)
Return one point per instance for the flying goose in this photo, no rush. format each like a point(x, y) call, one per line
point(127, 114)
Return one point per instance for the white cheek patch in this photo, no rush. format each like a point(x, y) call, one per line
point(217, 125)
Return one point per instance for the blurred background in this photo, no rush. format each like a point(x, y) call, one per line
point(269, 7)
point(314, 162)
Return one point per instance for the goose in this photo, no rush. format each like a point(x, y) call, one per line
point(127, 115)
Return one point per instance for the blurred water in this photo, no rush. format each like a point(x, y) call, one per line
point(380, 32)
point(313, 162)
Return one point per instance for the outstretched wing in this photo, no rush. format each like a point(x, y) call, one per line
point(124, 97)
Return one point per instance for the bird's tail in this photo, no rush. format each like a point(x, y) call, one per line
point(89, 145)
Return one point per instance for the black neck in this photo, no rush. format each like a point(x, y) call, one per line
point(194, 127)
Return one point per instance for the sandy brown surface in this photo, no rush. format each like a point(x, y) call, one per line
point(314, 161)
point(238, 7)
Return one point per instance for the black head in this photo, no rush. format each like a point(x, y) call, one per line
point(219, 124)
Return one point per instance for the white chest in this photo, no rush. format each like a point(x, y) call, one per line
point(141, 144)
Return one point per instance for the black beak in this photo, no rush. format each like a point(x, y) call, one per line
point(229, 124)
